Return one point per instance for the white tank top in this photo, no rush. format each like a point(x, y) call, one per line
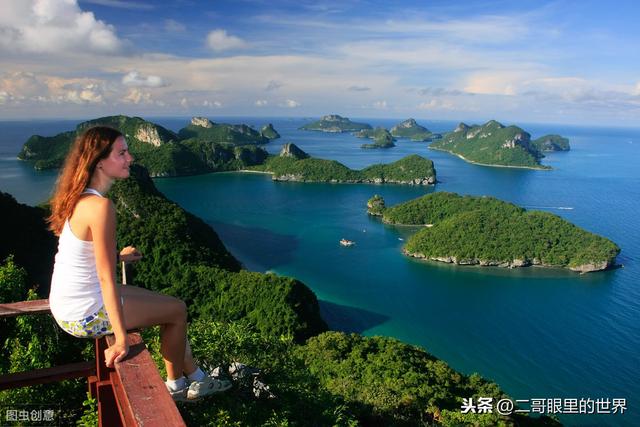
point(75, 287)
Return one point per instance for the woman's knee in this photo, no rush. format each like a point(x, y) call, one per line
point(179, 310)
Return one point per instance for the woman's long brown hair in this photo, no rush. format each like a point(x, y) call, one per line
point(89, 148)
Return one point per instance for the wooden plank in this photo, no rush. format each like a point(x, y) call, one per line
point(47, 375)
point(24, 307)
point(140, 391)
point(108, 414)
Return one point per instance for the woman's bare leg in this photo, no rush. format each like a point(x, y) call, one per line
point(144, 308)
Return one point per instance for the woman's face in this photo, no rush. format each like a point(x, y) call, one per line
point(116, 165)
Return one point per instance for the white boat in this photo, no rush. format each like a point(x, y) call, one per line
point(346, 242)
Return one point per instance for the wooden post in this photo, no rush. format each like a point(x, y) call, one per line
point(107, 407)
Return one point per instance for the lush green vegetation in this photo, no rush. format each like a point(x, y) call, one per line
point(183, 256)
point(220, 132)
point(25, 236)
point(551, 143)
point(197, 149)
point(259, 319)
point(34, 342)
point(412, 130)
point(386, 382)
point(381, 137)
point(335, 123)
point(491, 144)
point(223, 156)
point(269, 132)
point(412, 169)
point(375, 205)
point(488, 231)
point(47, 152)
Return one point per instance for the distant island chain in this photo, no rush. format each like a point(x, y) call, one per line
point(457, 229)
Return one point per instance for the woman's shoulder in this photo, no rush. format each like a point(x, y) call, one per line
point(94, 204)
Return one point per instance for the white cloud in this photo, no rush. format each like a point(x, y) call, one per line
point(495, 82)
point(488, 29)
point(134, 78)
point(31, 87)
point(22, 85)
point(53, 26)
point(436, 104)
point(137, 96)
point(261, 103)
point(174, 26)
point(273, 85)
point(358, 89)
point(290, 103)
point(207, 103)
point(219, 40)
point(122, 4)
point(184, 103)
point(5, 97)
point(438, 91)
point(89, 94)
point(380, 105)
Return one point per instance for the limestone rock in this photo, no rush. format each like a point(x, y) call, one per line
point(202, 122)
point(149, 134)
point(292, 150)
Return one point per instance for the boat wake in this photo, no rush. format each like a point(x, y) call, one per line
point(561, 208)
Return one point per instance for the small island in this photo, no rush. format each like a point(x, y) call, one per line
point(492, 144)
point(335, 124)
point(204, 129)
point(200, 147)
point(381, 137)
point(551, 143)
point(485, 231)
point(269, 132)
point(412, 130)
point(293, 164)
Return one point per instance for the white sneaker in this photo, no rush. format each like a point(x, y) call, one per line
point(207, 386)
point(179, 395)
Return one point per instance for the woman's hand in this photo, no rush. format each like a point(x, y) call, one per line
point(130, 254)
point(115, 353)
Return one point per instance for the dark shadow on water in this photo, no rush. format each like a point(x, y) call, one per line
point(349, 319)
point(257, 249)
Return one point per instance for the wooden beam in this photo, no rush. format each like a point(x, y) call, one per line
point(24, 307)
point(48, 375)
point(140, 392)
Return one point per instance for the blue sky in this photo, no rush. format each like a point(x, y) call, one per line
point(530, 61)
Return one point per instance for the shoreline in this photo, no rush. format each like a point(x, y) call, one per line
point(513, 264)
point(543, 168)
point(252, 171)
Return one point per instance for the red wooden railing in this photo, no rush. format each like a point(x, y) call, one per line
point(130, 394)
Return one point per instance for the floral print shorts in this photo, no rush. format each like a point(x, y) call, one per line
point(94, 326)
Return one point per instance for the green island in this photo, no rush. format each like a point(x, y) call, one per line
point(200, 147)
point(470, 230)
point(335, 123)
point(551, 143)
point(492, 144)
point(381, 138)
point(269, 132)
point(319, 377)
point(412, 130)
point(293, 164)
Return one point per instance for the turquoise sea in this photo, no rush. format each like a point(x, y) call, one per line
point(538, 333)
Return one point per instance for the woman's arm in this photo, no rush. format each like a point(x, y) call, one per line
point(103, 231)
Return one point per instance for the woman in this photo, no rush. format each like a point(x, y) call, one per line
point(85, 299)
